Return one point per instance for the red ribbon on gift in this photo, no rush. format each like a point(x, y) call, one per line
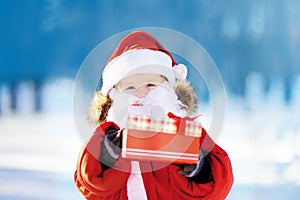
point(181, 122)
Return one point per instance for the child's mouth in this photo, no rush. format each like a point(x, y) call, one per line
point(137, 104)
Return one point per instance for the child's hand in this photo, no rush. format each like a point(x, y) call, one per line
point(187, 169)
point(111, 146)
point(113, 137)
point(193, 169)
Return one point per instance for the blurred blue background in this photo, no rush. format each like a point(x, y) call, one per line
point(255, 45)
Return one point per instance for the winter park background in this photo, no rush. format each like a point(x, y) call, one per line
point(255, 45)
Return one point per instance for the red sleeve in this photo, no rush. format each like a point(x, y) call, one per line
point(89, 178)
point(218, 169)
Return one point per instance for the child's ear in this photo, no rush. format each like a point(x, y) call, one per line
point(187, 95)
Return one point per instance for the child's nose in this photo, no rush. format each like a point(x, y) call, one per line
point(141, 92)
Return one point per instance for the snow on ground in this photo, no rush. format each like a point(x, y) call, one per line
point(263, 142)
point(38, 152)
point(38, 156)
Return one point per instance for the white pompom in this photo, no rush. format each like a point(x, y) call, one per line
point(180, 71)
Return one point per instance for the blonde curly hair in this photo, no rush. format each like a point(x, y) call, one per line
point(99, 107)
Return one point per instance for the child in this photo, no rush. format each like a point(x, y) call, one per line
point(141, 78)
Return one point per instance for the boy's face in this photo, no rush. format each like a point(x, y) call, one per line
point(147, 95)
point(139, 84)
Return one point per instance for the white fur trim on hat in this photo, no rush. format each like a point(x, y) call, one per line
point(136, 61)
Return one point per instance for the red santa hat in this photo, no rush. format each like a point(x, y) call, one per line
point(140, 52)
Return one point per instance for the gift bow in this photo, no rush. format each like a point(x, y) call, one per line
point(181, 121)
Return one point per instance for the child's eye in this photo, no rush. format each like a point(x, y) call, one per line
point(151, 85)
point(130, 88)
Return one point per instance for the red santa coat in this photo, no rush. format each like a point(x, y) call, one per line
point(164, 183)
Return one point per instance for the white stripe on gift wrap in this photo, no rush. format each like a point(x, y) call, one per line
point(161, 154)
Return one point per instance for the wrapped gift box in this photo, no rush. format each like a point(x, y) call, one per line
point(174, 140)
